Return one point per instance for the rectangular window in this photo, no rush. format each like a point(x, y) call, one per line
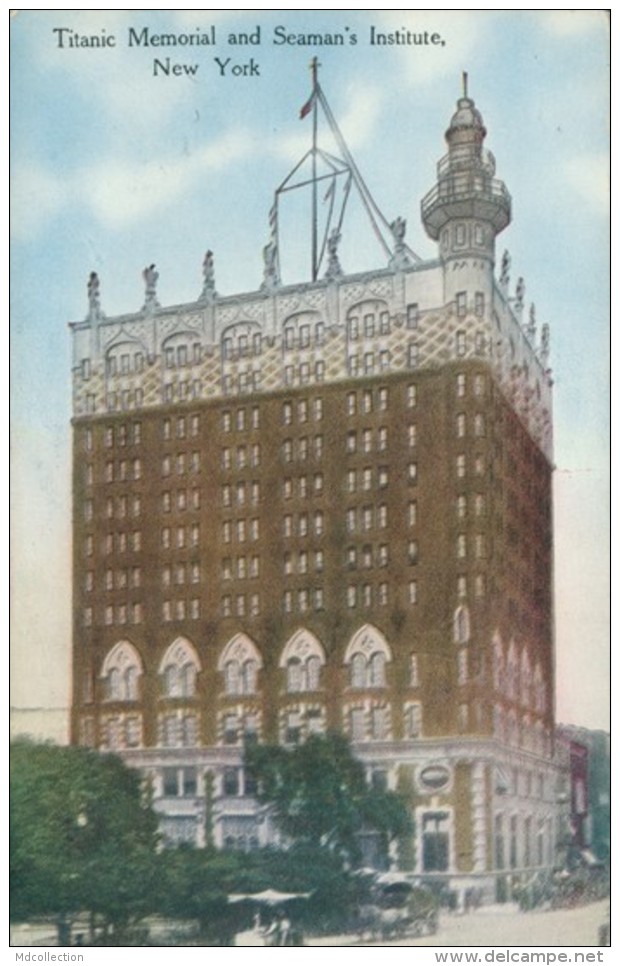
point(479, 303)
point(412, 396)
point(412, 513)
point(413, 591)
point(461, 304)
point(412, 316)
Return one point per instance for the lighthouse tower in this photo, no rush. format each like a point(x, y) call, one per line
point(468, 206)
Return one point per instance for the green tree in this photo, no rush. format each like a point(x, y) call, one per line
point(320, 797)
point(83, 837)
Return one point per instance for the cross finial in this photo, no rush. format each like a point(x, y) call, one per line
point(464, 83)
point(314, 67)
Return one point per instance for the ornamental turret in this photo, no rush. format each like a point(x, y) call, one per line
point(468, 206)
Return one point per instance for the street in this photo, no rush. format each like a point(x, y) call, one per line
point(493, 926)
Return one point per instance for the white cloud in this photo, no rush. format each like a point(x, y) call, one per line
point(573, 23)
point(588, 176)
point(118, 192)
point(357, 123)
point(36, 196)
point(461, 31)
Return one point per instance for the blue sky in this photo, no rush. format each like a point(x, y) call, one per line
point(114, 168)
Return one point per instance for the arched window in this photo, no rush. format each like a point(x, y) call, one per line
point(303, 657)
point(241, 340)
point(121, 671)
point(367, 655)
point(178, 669)
point(181, 349)
point(240, 662)
point(461, 625)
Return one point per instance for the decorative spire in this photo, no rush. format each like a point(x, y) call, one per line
point(208, 293)
point(400, 259)
point(334, 268)
point(504, 278)
point(545, 344)
point(519, 297)
point(530, 329)
point(150, 276)
point(94, 303)
point(271, 277)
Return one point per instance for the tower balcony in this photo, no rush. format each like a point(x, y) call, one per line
point(466, 195)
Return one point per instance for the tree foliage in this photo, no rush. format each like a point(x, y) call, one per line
point(82, 836)
point(320, 797)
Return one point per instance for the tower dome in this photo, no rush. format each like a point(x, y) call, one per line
point(467, 117)
point(466, 185)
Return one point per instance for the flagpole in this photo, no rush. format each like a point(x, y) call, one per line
point(313, 66)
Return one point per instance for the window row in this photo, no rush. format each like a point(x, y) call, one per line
point(115, 401)
point(480, 586)
point(478, 382)
point(302, 336)
point(303, 486)
point(241, 493)
point(303, 562)
point(182, 390)
point(240, 605)
point(182, 355)
point(180, 500)
point(115, 543)
point(240, 530)
point(369, 325)
point(240, 457)
point(240, 419)
point(464, 503)
point(367, 478)
point(463, 547)
point(302, 658)
point(367, 401)
point(366, 518)
point(242, 345)
point(180, 464)
point(240, 568)
point(303, 524)
point(303, 600)
point(124, 364)
point(461, 465)
point(367, 557)
point(463, 304)
point(180, 427)
point(367, 440)
point(305, 373)
point(180, 610)
point(302, 410)
point(369, 362)
point(302, 449)
point(120, 435)
point(365, 595)
point(478, 425)
point(180, 537)
point(250, 380)
point(121, 614)
point(115, 579)
point(181, 573)
point(122, 470)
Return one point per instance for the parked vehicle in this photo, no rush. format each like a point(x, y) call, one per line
point(398, 908)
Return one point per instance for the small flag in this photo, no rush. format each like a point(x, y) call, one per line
point(307, 107)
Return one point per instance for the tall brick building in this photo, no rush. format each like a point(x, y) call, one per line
point(328, 506)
